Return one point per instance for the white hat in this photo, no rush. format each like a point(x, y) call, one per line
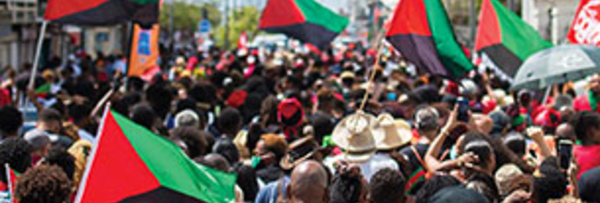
point(391, 133)
point(354, 134)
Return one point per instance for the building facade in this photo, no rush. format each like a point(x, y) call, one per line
point(552, 18)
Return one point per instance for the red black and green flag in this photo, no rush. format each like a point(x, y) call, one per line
point(102, 12)
point(505, 38)
point(131, 164)
point(304, 20)
point(421, 31)
point(42, 91)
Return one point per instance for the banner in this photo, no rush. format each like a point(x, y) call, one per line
point(585, 28)
point(143, 50)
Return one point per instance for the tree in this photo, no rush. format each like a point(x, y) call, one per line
point(186, 16)
point(243, 19)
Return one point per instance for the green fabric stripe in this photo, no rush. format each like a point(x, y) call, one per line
point(518, 36)
point(318, 14)
point(173, 169)
point(449, 51)
point(593, 99)
point(43, 89)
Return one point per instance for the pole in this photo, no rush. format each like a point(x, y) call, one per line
point(227, 23)
point(472, 23)
point(38, 51)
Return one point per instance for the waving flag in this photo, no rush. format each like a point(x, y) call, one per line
point(43, 91)
point(102, 12)
point(305, 20)
point(143, 53)
point(131, 164)
point(505, 38)
point(585, 29)
point(421, 31)
point(7, 191)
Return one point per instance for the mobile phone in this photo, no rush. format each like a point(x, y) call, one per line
point(565, 150)
point(463, 109)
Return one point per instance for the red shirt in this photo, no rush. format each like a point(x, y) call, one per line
point(582, 103)
point(586, 157)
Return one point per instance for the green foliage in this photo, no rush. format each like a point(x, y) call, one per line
point(242, 19)
point(186, 16)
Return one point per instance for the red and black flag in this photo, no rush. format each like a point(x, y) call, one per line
point(305, 20)
point(421, 31)
point(505, 38)
point(102, 12)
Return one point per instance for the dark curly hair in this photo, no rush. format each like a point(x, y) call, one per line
point(44, 183)
point(345, 188)
point(61, 158)
point(11, 120)
point(194, 139)
point(15, 152)
point(387, 186)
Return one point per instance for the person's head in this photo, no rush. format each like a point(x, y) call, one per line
point(426, 119)
point(348, 186)
point(80, 114)
point(49, 120)
point(11, 120)
point(594, 84)
point(387, 186)
point(549, 182)
point(433, 185)
point(39, 141)
point(43, 183)
point(16, 153)
point(194, 139)
point(226, 148)
point(565, 131)
point(587, 127)
point(485, 185)
point(524, 98)
point(246, 179)
point(215, 161)
point(229, 122)
point(484, 152)
point(61, 158)
point(144, 115)
point(271, 143)
point(308, 183)
point(515, 141)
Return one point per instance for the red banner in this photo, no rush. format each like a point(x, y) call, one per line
point(585, 28)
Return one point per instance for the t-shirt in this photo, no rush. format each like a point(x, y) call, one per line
point(413, 161)
point(270, 192)
point(586, 157)
point(377, 162)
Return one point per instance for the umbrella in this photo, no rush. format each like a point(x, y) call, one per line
point(557, 65)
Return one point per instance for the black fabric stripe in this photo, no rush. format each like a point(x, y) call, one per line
point(114, 12)
point(420, 51)
point(314, 34)
point(160, 195)
point(504, 59)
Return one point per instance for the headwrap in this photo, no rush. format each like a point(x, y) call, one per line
point(290, 114)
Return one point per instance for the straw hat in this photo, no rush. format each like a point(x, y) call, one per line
point(391, 133)
point(354, 134)
point(298, 151)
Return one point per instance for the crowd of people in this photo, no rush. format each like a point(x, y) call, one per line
point(306, 127)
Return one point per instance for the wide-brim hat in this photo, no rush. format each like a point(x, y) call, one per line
point(391, 133)
point(298, 151)
point(354, 134)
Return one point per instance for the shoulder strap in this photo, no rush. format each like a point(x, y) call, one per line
point(419, 158)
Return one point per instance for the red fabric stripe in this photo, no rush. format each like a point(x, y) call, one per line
point(116, 172)
point(488, 31)
point(56, 9)
point(410, 17)
point(417, 175)
point(279, 13)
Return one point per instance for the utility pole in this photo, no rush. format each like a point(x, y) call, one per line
point(472, 22)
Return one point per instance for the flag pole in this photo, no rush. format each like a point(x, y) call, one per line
point(90, 158)
point(36, 59)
